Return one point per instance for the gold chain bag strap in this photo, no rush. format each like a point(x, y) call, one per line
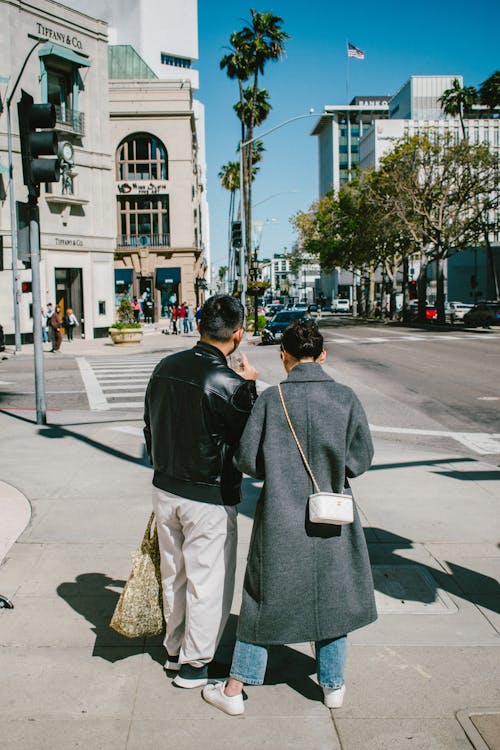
point(139, 611)
point(324, 507)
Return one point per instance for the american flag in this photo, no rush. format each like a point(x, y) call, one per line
point(353, 51)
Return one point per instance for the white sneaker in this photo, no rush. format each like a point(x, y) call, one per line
point(230, 704)
point(334, 697)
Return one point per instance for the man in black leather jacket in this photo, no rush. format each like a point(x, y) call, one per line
point(195, 410)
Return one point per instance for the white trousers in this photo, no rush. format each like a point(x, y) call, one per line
point(198, 560)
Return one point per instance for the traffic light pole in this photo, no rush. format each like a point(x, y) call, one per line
point(12, 199)
point(41, 405)
point(13, 237)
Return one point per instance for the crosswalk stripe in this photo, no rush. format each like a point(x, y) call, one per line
point(125, 379)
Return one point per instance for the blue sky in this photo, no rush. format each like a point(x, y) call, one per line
point(399, 40)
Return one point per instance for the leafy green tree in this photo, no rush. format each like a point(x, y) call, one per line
point(489, 91)
point(258, 42)
point(458, 101)
point(440, 192)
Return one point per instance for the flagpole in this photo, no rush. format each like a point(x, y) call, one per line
point(347, 71)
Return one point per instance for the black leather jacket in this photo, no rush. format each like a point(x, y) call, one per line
point(195, 410)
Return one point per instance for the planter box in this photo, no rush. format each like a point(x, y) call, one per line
point(126, 335)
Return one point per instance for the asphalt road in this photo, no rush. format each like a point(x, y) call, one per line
point(438, 389)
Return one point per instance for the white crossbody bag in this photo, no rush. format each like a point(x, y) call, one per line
point(324, 507)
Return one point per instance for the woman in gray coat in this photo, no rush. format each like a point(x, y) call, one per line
point(304, 581)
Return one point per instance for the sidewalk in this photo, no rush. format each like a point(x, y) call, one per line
point(424, 676)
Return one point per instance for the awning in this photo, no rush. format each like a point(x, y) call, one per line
point(166, 276)
point(123, 275)
point(67, 54)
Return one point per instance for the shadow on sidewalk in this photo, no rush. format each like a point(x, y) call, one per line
point(92, 596)
point(479, 589)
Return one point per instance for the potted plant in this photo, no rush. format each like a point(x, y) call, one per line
point(126, 330)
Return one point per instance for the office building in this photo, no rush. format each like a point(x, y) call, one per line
point(339, 130)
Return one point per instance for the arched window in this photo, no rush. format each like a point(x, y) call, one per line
point(141, 156)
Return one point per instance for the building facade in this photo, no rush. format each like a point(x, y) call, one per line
point(77, 217)
point(157, 192)
point(164, 38)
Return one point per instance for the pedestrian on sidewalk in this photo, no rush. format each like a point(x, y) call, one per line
point(45, 335)
point(175, 316)
point(304, 581)
point(69, 322)
point(55, 323)
point(182, 320)
point(50, 330)
point(195, 410)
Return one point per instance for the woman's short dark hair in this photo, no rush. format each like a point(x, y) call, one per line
point(303, 339)
point(221, 316)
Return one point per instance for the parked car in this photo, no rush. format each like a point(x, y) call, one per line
point(273, 331)
point(456, 310)
point(483, 314)
point(341, 305)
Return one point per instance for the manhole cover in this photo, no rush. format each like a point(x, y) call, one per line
point(409, 589)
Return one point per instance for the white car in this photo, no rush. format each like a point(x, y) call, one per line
point(341, 305)
point(456, 310)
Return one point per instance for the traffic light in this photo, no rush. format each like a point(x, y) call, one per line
point(37, 139)
point(26, 286)
point(236, 234)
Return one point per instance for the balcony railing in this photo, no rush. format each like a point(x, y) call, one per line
point(144, 240)
point(70, 119)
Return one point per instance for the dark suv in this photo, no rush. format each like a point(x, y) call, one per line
point(483, 314)
point(273, 331)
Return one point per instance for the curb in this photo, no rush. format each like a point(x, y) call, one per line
point(15, 511)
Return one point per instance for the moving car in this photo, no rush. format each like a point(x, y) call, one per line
point(273, 331)
point(341, 305)
point(483, 314)
point(430, 311)
point(273, 308)
point(314, 311)
point(456, 310)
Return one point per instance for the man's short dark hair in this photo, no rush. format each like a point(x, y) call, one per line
point(221, 316)
point(303, 339)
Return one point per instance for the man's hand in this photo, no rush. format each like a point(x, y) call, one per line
point(247, 370)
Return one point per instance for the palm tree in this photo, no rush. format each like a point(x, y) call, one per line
point(251, 48)
point(458, 101)
point(255, 107)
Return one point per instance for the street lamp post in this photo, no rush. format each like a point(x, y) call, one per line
point(12, 199)
point(247, 241)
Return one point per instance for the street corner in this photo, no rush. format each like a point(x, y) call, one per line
point(15, 512)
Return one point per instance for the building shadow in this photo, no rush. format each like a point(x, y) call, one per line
point(481, 590)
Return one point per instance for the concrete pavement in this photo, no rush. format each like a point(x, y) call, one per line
point(425, 675)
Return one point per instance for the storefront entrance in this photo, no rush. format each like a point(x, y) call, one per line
point(69, 293)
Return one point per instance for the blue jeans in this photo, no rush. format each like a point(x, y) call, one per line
point(250, 662)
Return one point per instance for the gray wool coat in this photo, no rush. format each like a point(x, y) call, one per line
point(304, 581)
